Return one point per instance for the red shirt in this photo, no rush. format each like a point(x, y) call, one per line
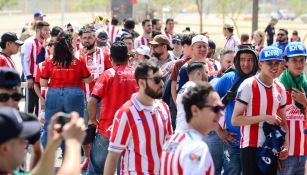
point(115, 86)
point(61, 77)
point(6, 61)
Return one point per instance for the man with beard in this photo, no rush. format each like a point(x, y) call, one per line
point(31, 53)
point(95, 58)
point(114, 87)
point(140, 126)
point(146, 37)
point(169, 28)
point(156, 24)
point(160, 46)
point(282, 39)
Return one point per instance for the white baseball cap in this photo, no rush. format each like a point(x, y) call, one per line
point(200, 38)
point(143, 50)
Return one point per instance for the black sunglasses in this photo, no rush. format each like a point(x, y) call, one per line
point(281, 34)
point(156, 80)
point(70, 30)
point(5, 97)
point(216, 109)
point(176, 42)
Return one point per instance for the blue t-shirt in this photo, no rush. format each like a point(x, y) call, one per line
point(221, 87)
point(182, 77)
point(281, 46)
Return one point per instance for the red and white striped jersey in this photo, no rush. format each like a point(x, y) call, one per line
point(96, 63)
point(186, 153)
point(232, 42)
point(139, 133)
point(112, 32)
point(29, 51)
point(6, 61)
point(140, 40)
point(295, 120)
point(260, 100)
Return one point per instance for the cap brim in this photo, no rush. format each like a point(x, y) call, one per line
point(154, 43)
point(19, 42)
point(30, 128)
point(271, 59)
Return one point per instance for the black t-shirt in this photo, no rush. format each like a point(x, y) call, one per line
point(271, 32)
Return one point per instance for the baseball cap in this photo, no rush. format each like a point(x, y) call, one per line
point(10, 36)
point(228, 26)
point(212, 44)
point(12, 125)
point(143, 50)
point(39, 14)
point(270, 53)
point(9, 78)
point(160, 39)
point(199, 38)
point(102, 37)
point(294, 49)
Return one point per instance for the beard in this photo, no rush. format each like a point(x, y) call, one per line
point(89, 46)
point(155, 54)
point(153, 94)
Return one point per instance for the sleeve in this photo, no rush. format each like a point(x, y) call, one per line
point(197, 160)
point(121, 132)
point(283, 100)
point(45, 70)
point(182, 78)
point(38, 75)
point(221, 86)
point(174, 73)
point(84, 71)
point(107, 61)
point(3, 63)
point(136, 43)
point(101, 86)
point(266, 29)
point(169, 121)
point(244, 92)
point(26, 50)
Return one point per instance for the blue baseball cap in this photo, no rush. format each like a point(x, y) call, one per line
point(294, 49)
point(270, 53)
point(39, 14)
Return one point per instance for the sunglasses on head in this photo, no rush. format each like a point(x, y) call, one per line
point(156, 80)
point(5, 97)
point(216, 109)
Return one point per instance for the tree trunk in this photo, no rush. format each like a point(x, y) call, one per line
point(255, 15)
point(199, 4)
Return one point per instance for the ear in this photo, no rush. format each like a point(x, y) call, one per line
point(259, 65)
point(3, 148)
point(142, 83)
point(194, 110)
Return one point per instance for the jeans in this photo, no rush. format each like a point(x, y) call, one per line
point(61, 100)
point(215, 144)
point(293, 165)
point(98, 155)
point(232, 162)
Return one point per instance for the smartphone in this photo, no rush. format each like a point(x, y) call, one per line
point(63, 119)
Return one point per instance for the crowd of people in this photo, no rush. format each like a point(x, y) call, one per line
point(156, 102)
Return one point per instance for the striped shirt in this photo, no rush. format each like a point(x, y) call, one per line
point(6, 61)
point(139, 133)
point(186, 153)
point(141, 40)
point(260, 100)
point(112, 32)
point(295, 121)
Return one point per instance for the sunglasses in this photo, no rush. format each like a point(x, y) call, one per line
point(70, 30)
point(155, 45)
point(156, 80)
point(216, 109)
point(5, 97)
point(178, 42)
point(281, 34)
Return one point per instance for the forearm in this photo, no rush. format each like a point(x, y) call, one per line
point(72, 158)
point(111, 163)
point(38, 91)
point(46, 163)
point(173, 91)
point(246, 120)
point(91, 108)
point(37, 153)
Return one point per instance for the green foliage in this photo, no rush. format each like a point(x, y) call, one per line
point(298, 7)
point(91, 4)
point(6, 3)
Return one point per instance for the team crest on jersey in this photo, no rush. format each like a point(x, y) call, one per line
point(90, 62)
point(194, 157)
point(170, 147)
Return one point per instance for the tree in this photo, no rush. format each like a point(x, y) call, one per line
point(200, 9)
point(5, 3)
point(233, 10)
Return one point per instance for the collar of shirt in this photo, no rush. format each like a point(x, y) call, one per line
point(194, 134)
point(139, 106)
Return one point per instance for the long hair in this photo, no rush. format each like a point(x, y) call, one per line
point(63, 49)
